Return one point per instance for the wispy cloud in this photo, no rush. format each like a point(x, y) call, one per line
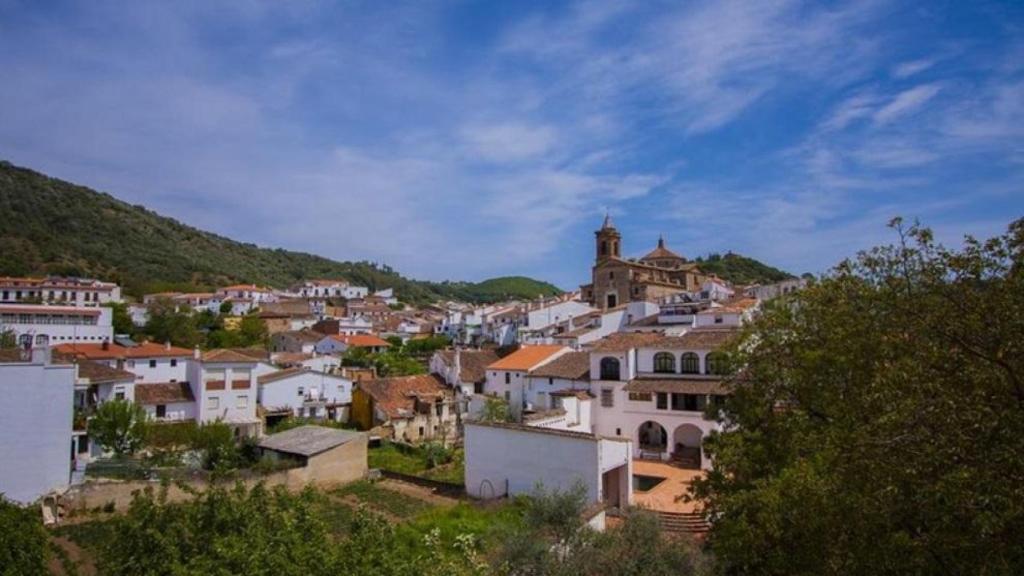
point(906, 102)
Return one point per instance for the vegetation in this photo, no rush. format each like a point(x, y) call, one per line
point(296, 421)
point(145, 252)
point(392, 362)
point(432, 461)
point(496, 410)
point(876, 426)
point(119, 426)
point(22, 540)
point(741, 269)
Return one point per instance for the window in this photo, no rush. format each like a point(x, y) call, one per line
point(508, 378)
point(152, 363)
point(301, 390)
point(174, 362)
point(161, 410)
point(662, 401)
point(609, 368)
point(508, 395)
point(714, 363)
point(618, 431)
point(690, 363)
point(664, 363)
point(242, 402)
point(119, 394)
point(213, 403)
point(551, 381)
point(421, 431)
point(607, 397)
point(718, 319)
point(640, 396)
point(688, 402)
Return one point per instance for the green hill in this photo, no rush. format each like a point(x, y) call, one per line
point(48, 226)
point(740, 269)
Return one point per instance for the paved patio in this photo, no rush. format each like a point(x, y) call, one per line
point(667, 496)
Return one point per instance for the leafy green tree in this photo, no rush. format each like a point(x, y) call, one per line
point(226, 308)
point(168, 324)
point(426, 346)
point(22, 540)
point(119, 426)
point(215, 442)
point(120, 318)
point(397, 364)
point(8, 339)
point(356, 358)
point(252, 331)
point(495, 410)
point(876, 425)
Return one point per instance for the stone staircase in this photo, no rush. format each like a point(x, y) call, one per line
point(683, 522)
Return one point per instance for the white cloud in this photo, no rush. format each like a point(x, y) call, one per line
point(508, 142)
point(906, 102)
point(912, 67)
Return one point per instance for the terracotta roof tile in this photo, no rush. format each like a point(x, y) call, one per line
point(163, 393)
point(116, 351)
point(688, 385)
point(228, 356)
point(570, 366)
point(361, 340)
point(526, 357)
point(97, 373)
point(474, 363)
point(396, 397)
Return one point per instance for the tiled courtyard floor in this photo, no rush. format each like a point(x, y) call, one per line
point(667, 496)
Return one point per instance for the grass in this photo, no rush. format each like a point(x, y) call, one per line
point(412, 462)
point(395, 504)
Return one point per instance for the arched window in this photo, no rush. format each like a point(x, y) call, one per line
point(609, 368)
point(690, 363)
point(714, 363)
point(664, 363)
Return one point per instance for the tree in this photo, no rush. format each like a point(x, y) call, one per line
point(226, 308)
point(119, 426)
point(876, 424)
point(167, 323)
point(8, 339)
point(120, 318)
point(22, 540)
point(495, 410)
point(215, 441)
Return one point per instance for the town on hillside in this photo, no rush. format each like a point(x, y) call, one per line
point(606, 386)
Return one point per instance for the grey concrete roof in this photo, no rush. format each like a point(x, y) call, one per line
point(308, 440)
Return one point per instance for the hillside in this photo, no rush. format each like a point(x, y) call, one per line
point(48, 226)
point(740, 269)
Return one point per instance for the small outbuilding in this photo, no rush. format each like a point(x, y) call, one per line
point(323, 456)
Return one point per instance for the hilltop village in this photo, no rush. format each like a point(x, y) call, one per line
point(606, 386)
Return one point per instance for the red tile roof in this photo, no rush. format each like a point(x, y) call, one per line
point(116, 351)
point(527, 357)
point(163, 393)
point(396, 397)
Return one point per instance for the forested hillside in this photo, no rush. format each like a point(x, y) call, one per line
point(48, 226)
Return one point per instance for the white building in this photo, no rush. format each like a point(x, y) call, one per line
point(303, 341)
point(508, 376)
point(511, 459)
point(149, 361)
point(734, 313)
point(654, 389)
point(330, 289)
point(167, 401)
point(540, 389)
point(35, 424)
point(96, 383)
point(224, 385)
point(45, 325)
point(464, 370)
point(306, 393)
point(252, 293)
point(58, 290)
point(341, 343)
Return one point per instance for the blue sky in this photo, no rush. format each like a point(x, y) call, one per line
point(471, 139)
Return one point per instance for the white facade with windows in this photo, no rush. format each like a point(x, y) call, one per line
point(306, 393)
point(45, 325)
point(58, 290)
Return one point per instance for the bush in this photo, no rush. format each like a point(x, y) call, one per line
point(119, 426)
point(22, 540)
point(215, 442)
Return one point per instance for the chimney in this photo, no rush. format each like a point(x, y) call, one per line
point(167, 345)
point(458, 364)
point(105, 345)
point(195, 353)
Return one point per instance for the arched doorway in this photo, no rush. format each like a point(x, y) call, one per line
point(686, 445)
point(652, 439)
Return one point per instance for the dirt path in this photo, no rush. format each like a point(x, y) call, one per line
point(419, 492)
point(82, 560)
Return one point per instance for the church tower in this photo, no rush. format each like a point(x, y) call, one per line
point(609, 241)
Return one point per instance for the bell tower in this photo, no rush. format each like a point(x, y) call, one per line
point(609, 241)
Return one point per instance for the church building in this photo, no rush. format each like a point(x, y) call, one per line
point(616, 281)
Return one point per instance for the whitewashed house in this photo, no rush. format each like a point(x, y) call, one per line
point(654, 389)
point(341, 343)
point(511, 459)
point(306, 393)
point(301, 341)
point(35, 424)
point(224, 385)
point(58, 290)
point(149, 361)
point(46, 325)
point(507, 377)
point(167, 401)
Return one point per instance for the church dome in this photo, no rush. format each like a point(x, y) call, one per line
point(662, 253)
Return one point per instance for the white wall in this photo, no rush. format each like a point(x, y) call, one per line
point(513, 461)
point(230, 404)
point(284, 393)
point(35, 428)
point(176, 411)
point(166, 369)
point(25, 320)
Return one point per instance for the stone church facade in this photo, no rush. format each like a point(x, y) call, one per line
point(616, 281)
